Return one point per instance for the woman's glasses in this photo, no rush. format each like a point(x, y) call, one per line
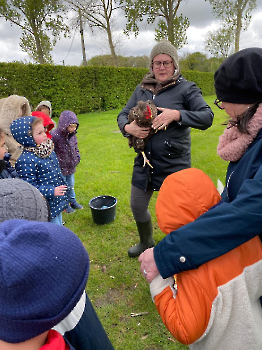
point(218, 103)
point(158, 64)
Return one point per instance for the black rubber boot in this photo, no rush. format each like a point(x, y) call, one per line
point(145, 231)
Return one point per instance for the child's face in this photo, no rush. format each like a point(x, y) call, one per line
point(39, 134)
point(71, 128)
point(46, 128)
point(44, 109)
point(3, 149)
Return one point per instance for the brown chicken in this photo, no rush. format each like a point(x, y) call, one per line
point(143, 113)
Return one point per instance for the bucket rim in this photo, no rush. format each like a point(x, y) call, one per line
point(103, 196)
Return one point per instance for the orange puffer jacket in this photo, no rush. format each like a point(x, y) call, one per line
point(216, 306)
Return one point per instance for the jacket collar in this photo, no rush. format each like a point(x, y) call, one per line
point(150, 83)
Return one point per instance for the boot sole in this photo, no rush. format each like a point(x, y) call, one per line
point(134, 255)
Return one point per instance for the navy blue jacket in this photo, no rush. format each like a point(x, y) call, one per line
point(7, 170)
point(235, 221)
point(89, 332)
point(43, 173)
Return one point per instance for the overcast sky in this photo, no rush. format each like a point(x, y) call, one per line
point(69, 50)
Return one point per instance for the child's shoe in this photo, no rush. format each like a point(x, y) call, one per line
point(76, 205)
point(69, 210)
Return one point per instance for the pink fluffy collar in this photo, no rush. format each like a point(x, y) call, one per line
point(233, 143)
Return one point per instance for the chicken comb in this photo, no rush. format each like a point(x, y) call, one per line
point(148, 113)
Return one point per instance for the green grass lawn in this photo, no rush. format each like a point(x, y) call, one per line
point(116, 286)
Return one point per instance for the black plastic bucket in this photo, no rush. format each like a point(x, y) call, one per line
point(103, 209)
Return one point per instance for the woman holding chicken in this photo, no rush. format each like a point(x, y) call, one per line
point(181, 106)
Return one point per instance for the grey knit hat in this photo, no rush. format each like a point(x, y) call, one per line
point(165, 46)
point(45, 104)
point(20, 200)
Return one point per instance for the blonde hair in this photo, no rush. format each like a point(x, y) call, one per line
point(36, 122)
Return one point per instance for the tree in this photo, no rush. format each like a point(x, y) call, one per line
point(37, 18)
point(214, 63)
point(219, 42)
point(235, 14)
point(169, 26)
point(98, 14)
point(195, 61)
point(198, 61)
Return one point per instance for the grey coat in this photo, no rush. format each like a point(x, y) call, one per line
point(168, 150)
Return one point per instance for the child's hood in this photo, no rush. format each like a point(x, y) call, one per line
point(183, 197)
point(47, 121)
point(66, 118)
point(21, 130)
point(11, 108)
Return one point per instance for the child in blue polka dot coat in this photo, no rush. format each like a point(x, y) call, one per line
point(38, 164)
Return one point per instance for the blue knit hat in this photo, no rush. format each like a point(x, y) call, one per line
point(43, 273)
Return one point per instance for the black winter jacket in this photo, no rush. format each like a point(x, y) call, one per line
point(168, 150)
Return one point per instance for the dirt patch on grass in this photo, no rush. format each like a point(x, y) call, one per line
point(111, 297)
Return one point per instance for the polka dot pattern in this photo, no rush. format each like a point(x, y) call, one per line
point(43, 173)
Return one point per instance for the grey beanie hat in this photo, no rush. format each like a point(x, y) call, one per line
point(20, 200)
point(165, 46)
point(46, 104)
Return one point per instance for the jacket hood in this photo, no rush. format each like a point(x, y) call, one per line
point(66, 118)
point(11, 108)
point(183, 197)
point(21, 130)
point(47, 121)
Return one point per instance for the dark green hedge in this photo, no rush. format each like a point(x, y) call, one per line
point(204, 80)
point(80, 89)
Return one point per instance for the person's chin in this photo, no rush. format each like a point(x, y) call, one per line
point(162, 78)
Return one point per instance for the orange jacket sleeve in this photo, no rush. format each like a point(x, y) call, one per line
point(186, 311)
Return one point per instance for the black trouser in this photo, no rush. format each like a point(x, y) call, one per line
point(139, 203)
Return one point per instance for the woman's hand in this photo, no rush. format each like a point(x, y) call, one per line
point(148, 266)
point(60, 190)
point(135, 130)
point(165, 118)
